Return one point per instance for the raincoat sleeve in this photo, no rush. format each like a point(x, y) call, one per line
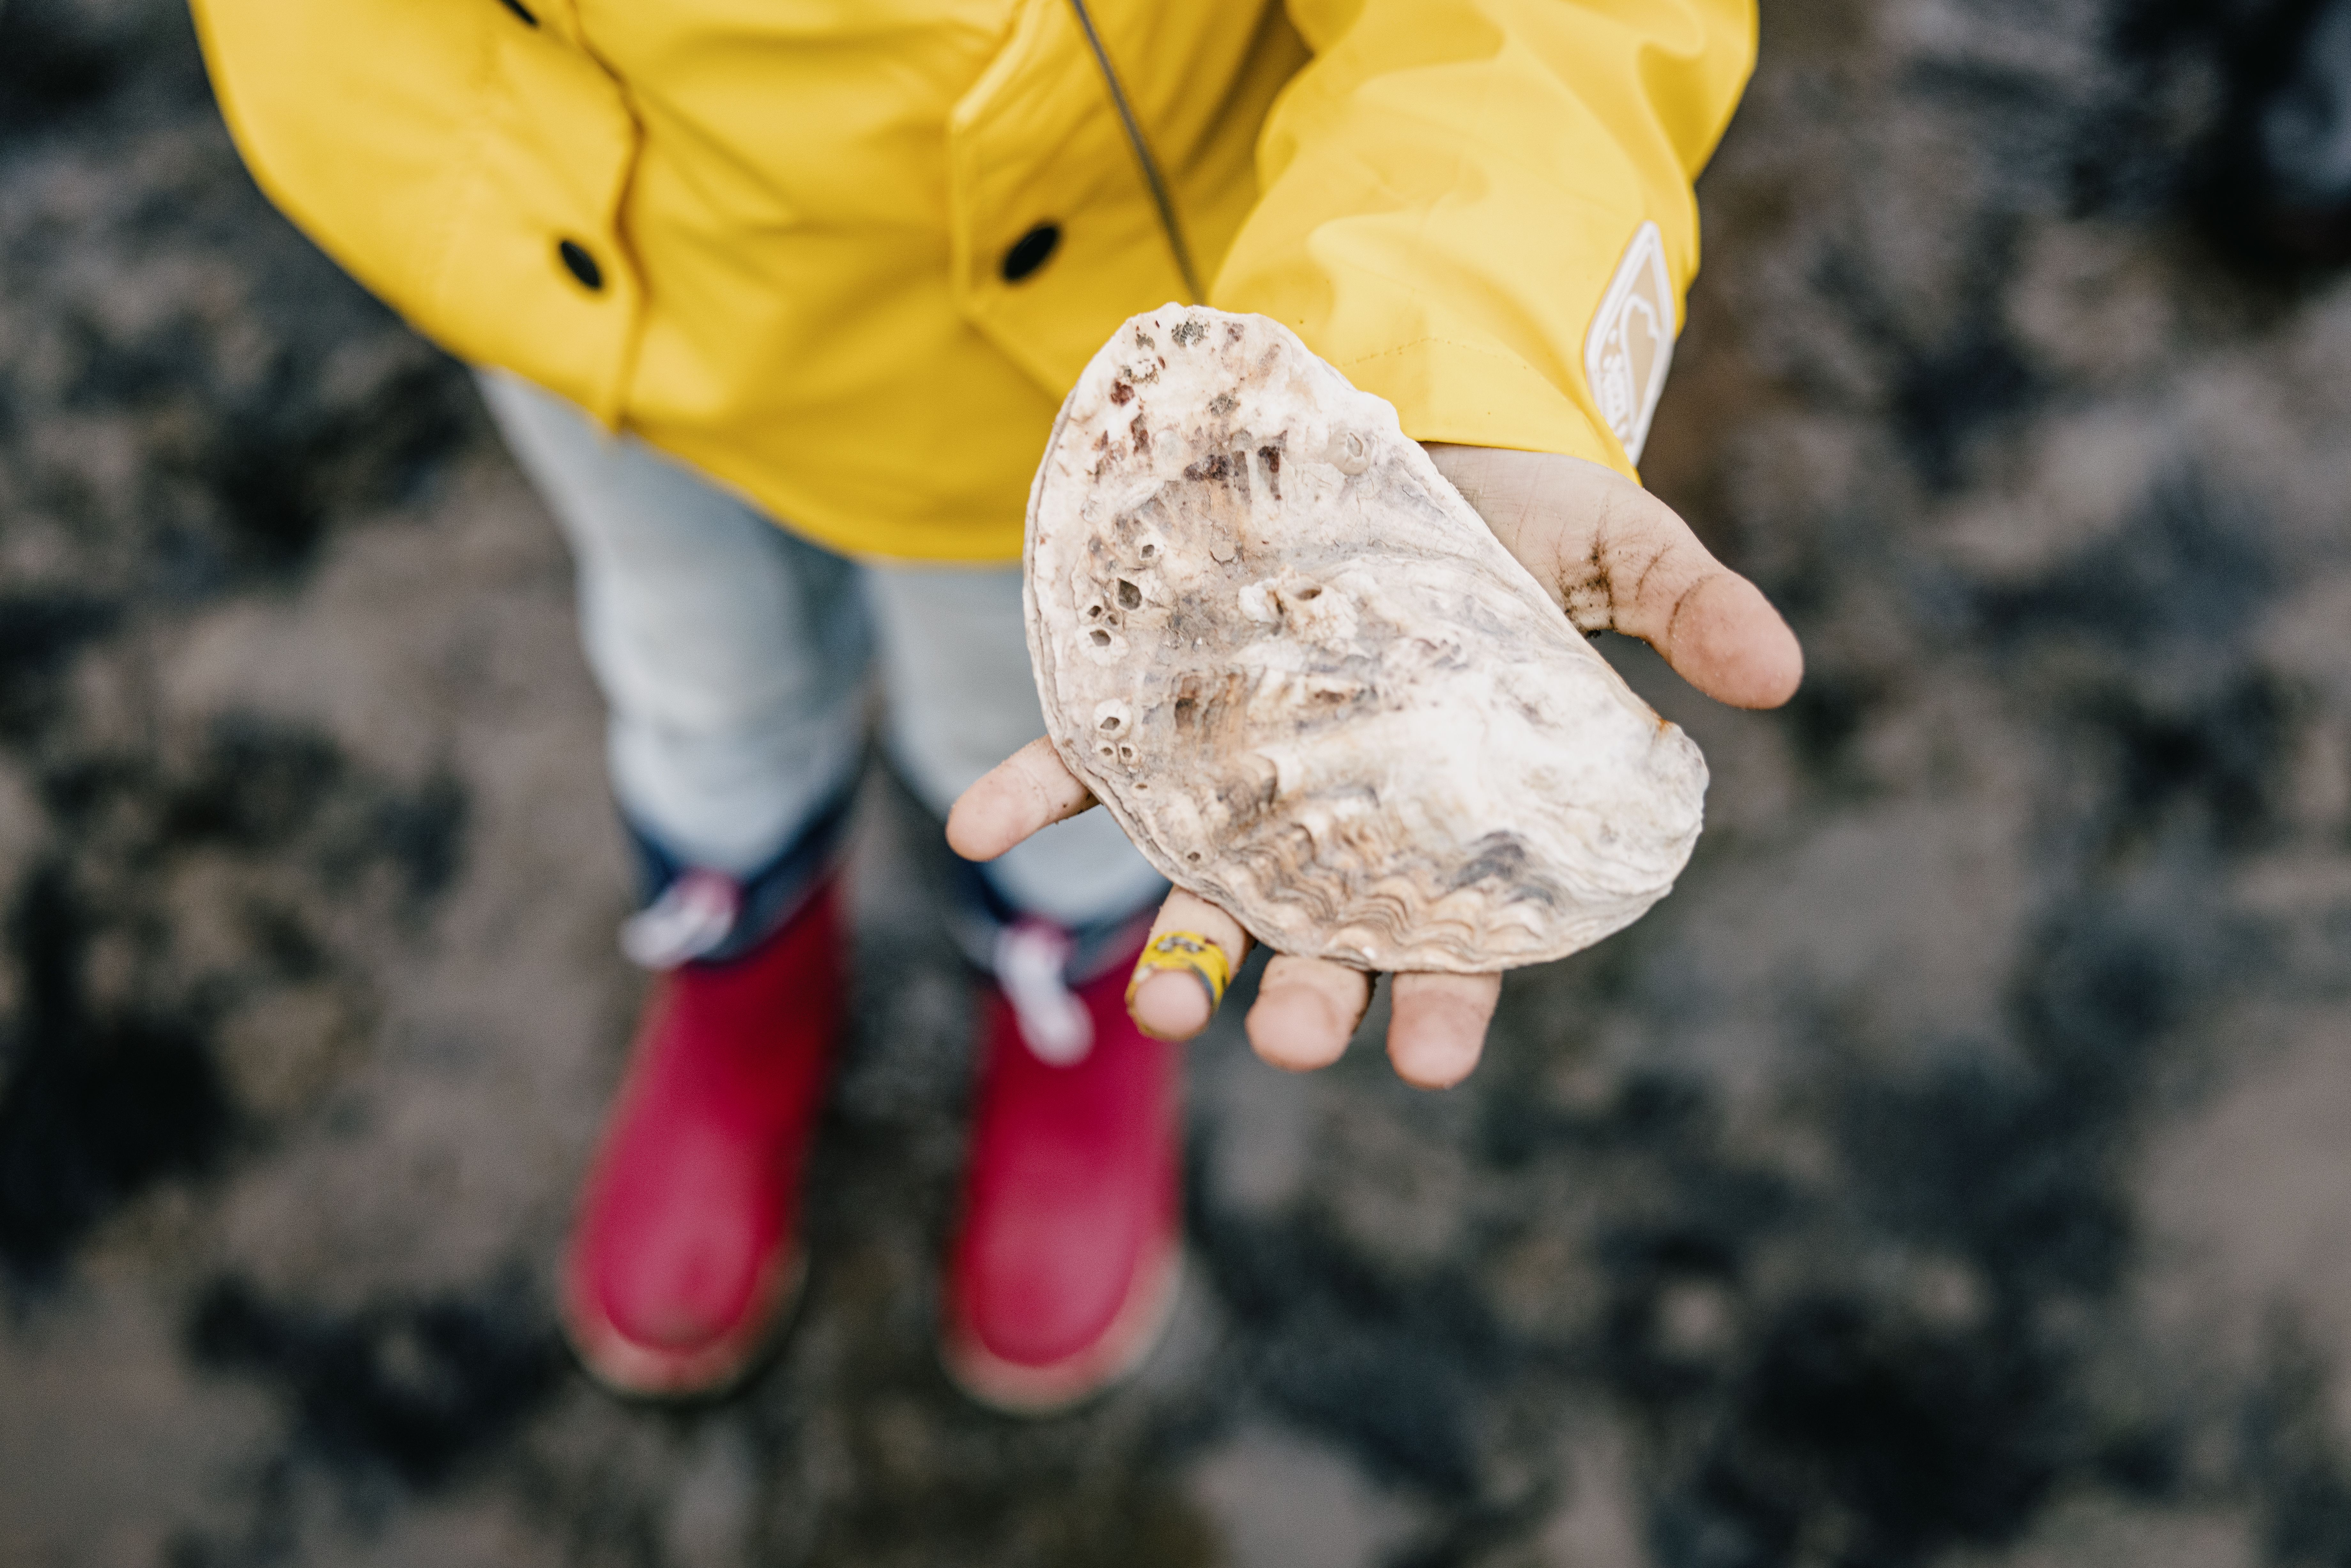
point(1481, 209)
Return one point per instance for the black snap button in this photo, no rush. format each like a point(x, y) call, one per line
point(580, 264)
point(1031, 251)
point(521, 10)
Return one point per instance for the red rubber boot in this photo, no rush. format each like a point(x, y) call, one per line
point(1066, 1265)
point(686, 1257)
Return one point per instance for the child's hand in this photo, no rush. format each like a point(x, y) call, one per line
point(1615, 558)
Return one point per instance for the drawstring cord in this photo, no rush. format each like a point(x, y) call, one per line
point(691, 919)
point(1159, 196)
point(1031, 964)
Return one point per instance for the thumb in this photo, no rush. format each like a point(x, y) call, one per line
point(1617, 559)
point(1027, 791)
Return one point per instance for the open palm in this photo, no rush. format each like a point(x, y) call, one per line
point(1615, 558)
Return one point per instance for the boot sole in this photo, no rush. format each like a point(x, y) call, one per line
point(621, 1366)
point(1012, 1388)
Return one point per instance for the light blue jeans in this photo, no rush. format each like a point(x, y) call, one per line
point(735, 660)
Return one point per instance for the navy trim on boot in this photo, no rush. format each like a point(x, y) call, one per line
point(981, 912)
point(765, 899)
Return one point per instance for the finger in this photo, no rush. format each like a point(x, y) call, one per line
point(1306, 1011)
point(1437, 1030)
point(1661, 585)
point(1176, 1003)
point(1028, 790)
point(1616, 558)
point(1722, 636)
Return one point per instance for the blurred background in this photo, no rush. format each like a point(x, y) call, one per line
point(1955, 1171)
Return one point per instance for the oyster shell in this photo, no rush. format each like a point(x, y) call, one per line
point(1305, 677)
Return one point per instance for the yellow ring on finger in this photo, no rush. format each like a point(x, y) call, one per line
point(1189, 952)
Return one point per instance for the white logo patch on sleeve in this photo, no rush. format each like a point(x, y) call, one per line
point(1631, 340)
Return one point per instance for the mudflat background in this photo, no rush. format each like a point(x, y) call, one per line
point(1955, 1171)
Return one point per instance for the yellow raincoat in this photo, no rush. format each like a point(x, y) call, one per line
point(847, 255)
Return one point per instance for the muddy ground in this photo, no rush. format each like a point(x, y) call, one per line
point(1955, 1171)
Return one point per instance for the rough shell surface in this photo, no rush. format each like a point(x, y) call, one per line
point(1312, 687)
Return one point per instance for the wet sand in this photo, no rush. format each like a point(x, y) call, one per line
point(1956, 1170)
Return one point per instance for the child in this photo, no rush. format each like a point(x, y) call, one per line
point(776, 306)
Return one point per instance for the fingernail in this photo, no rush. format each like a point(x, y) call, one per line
point(1169, 1005)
